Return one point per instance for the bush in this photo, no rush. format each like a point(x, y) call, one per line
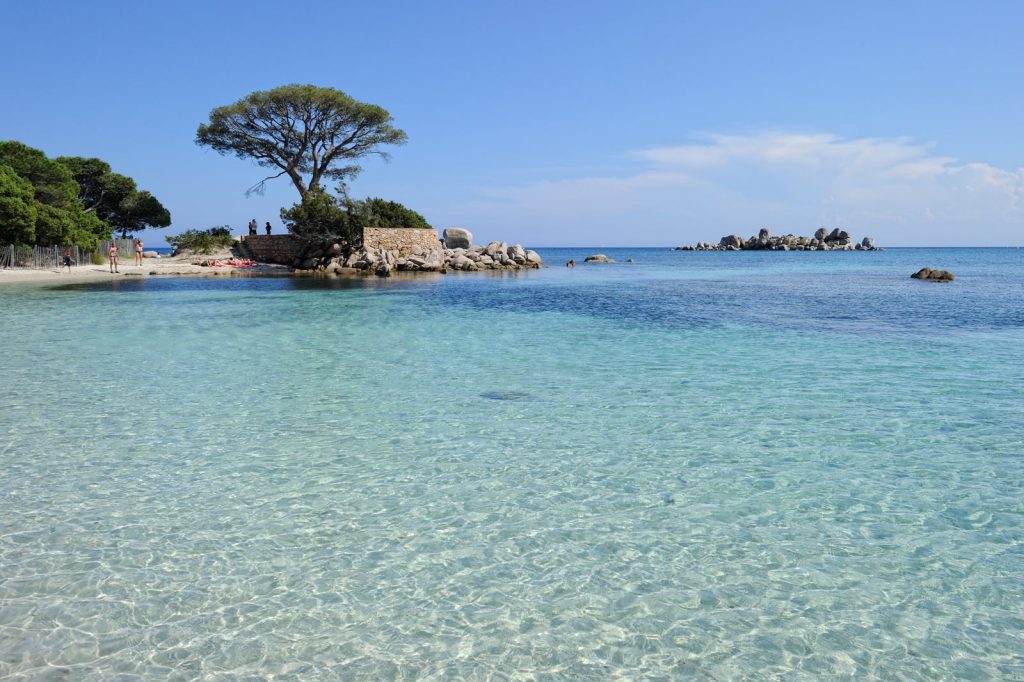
point(384, 213)
point(318, 216)
point(202, 241)
point(321, 216)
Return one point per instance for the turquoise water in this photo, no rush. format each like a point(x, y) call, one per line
point(697, 465)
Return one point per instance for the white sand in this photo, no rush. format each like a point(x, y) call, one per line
point(150, 267)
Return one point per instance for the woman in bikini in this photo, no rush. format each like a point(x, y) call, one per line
point(112, 256)
point(138, 252)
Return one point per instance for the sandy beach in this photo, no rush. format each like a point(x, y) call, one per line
point(151, 267)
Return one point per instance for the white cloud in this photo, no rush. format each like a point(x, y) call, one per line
point(894, 189)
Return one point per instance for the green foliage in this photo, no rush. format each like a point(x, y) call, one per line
point(383, 213)
point(89, 230)
point(53, 225)
point(322, 216)
point(75, 226)
point(202, 241)
point(114, 197)
point(17, 208)
point(52, 182)
point(39, 200)
point(138, 211)
point(318, 216)
point(300, 130)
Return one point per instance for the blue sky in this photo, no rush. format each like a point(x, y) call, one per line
point(570, 123)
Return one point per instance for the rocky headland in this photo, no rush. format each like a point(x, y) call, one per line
point(823, 240)
point(456, 252)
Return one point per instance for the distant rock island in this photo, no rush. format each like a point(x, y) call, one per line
point(823, 240)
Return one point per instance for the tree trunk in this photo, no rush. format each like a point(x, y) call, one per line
point(297, 181)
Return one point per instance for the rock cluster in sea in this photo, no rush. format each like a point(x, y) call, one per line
point(337, 259)
point(934, 275)
point(823, 240)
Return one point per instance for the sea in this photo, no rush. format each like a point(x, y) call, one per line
point(681, 465)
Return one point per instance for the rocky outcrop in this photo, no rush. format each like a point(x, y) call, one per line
point(457, 238)
point(598, 258)
point(933, 275)
point(823, 240)
point(336, 259)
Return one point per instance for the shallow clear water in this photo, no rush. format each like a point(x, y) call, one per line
point(699, 465)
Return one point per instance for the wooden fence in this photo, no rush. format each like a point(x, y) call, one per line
point(47, 257)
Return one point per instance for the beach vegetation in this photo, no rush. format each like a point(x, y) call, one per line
point(52, 182)
point(309, 134)
point(50, 212)
point(202, 241)
point(383, 213)
point(113, 197)
point(17, 208)
point(320, 216)
point(323, 216)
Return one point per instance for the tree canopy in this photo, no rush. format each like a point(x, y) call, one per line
point(68, 200)
point(52, 182)
point(306, 132)
point(113, 197)
point(17, 208)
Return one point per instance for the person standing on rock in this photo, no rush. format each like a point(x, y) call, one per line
point(252, 226)
point(112, 256)
point(267, 228)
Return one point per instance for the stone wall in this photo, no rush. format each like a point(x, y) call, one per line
point(401, 239)
point(282, 249)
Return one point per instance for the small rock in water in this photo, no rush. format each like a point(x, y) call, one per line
point(505, 395)
point(933, 275)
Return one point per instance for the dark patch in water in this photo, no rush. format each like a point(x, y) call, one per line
point(506, 395)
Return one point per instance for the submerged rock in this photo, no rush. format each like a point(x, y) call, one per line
point(598, 258)
point(506, 395)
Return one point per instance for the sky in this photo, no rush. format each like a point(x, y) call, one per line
point(568, 123)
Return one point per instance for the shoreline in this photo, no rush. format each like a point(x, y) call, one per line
point(92, 273)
